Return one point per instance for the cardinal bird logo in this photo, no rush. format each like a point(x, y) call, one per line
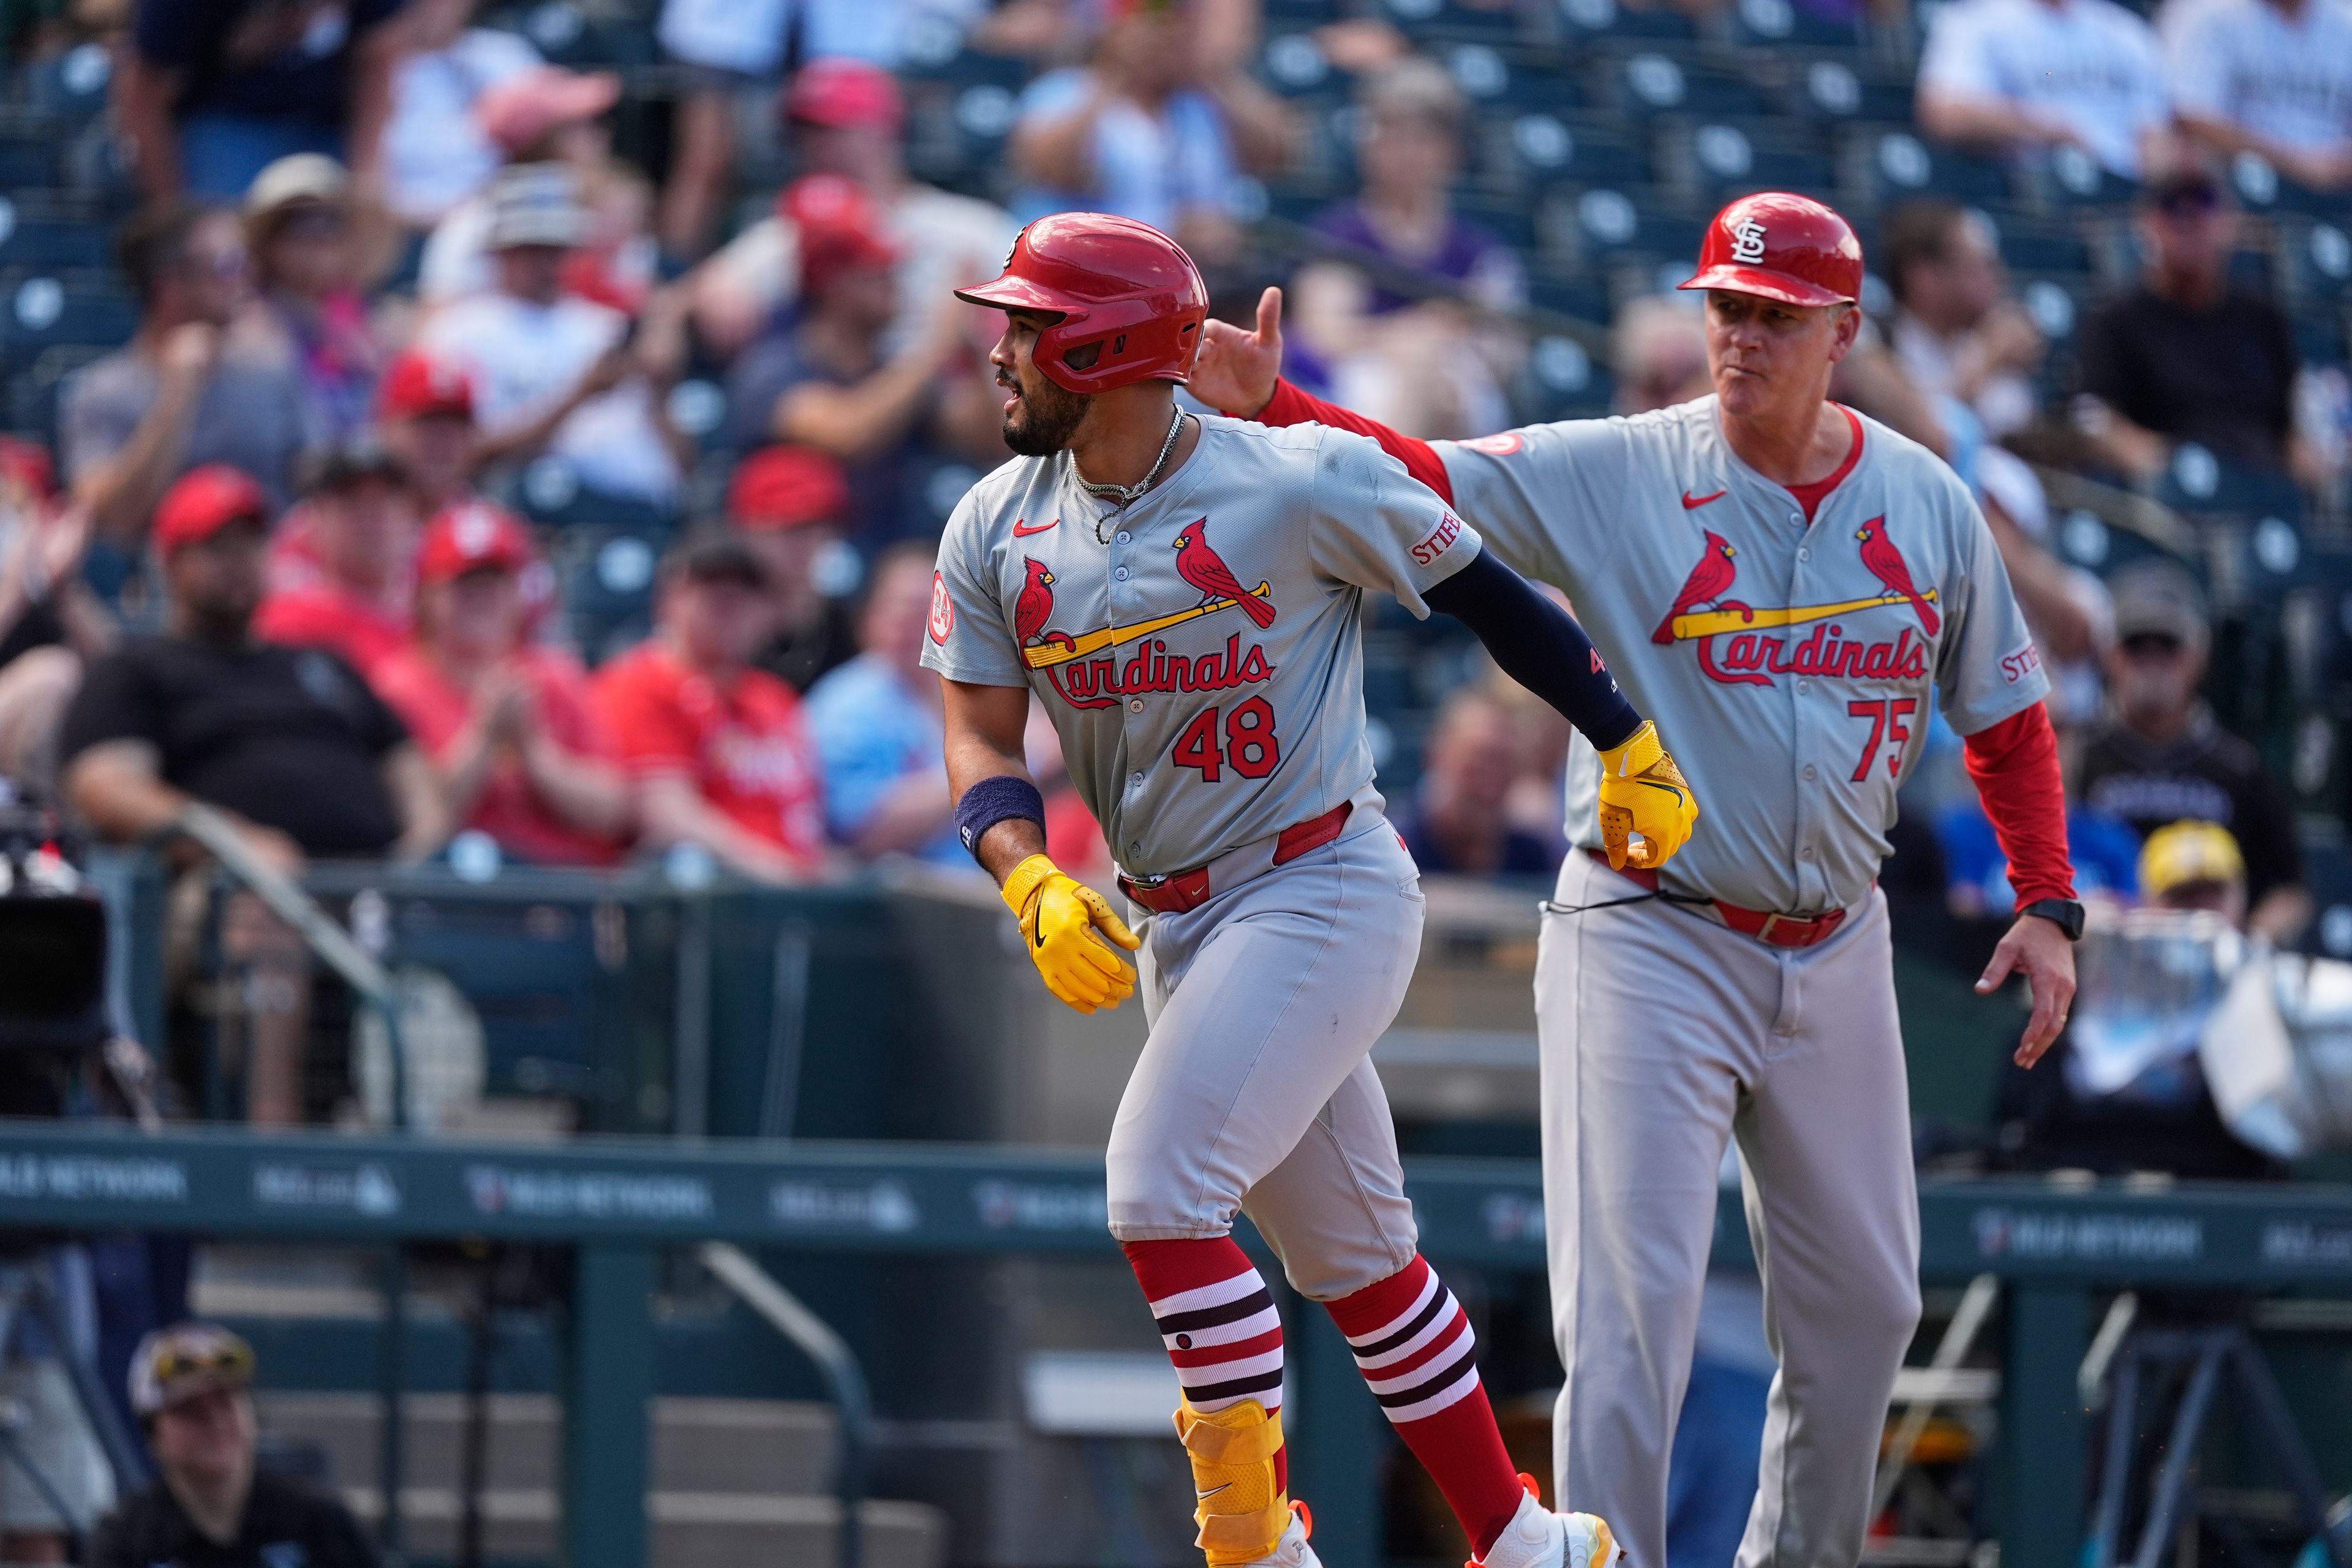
point(1035, 607)
point(1203, 568)
point(1708, 582)
point(1886, 563)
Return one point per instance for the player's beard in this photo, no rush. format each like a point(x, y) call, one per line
point(1046, 418)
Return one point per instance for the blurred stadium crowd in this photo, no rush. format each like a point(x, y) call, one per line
point(522, 434)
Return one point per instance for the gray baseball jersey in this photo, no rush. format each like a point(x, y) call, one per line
point(1199, 651)
point(1789, 668)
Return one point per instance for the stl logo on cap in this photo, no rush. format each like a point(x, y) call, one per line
point(1748, 242)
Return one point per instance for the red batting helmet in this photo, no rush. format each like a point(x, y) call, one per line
point(1785, 248)
point(1120, 288)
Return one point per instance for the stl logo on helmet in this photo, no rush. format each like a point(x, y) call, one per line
point(1704, 611)
point(1748, 242)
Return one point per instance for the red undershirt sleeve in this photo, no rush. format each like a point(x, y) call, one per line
point(2015, 767)
point(1291, 406)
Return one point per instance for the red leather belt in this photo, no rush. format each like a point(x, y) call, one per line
point(1772, 930)
point(1187, 891)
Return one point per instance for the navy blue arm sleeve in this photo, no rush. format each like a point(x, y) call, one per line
point(1539, 645)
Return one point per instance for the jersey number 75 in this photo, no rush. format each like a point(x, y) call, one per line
point(1251, 747)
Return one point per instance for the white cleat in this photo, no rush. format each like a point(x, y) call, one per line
point(1538, 1538)
point(1291, 1550)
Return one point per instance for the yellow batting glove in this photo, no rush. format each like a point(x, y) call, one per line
point(1643, 796)
point(1059, 916)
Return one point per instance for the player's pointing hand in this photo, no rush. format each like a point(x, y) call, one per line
point(1059, 917)
point(1236, 370)
point(1643, 795)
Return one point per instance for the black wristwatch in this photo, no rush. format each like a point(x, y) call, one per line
point(2064, 913)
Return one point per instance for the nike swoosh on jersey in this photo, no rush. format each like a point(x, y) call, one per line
point(1021, 529)
point(1690, 501)
point(1204, 1496)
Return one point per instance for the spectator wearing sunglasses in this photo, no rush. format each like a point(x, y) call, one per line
point(2185, 354)
point(210, 1506)
point(316, 244)
point(174, 399)
point(2160, 756)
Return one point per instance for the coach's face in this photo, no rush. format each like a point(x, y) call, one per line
point(1766, 356)
point(1039, 417)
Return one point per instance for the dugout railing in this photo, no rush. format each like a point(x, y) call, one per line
point(618, 1203)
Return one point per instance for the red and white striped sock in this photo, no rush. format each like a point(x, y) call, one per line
point(1217, 1318)
point(1413, 1344)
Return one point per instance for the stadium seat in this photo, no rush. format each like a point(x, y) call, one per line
point(1538, 147)
point(2316, 256)
point(1295, 66)
point(1717, 160)
point(2030, 246)
point(1653, 81)
point(1583, 225)
point(1777, 24)
point(49, 243)
point(71, 85)
point(1441, 21)
point(1882, 163)
point(37, 310)
point(1609, 18)
point(606, 577)
point(1836, 87)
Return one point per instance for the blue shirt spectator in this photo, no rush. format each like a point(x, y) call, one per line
point(2104, 849)
point(877, 726)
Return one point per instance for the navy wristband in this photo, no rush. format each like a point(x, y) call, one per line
point(994, 800)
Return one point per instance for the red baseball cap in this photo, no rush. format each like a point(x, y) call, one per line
point(203, 502)
point(416, 384)
point(473, 536)
point(779, 488)
point(840, 93)
point(1786, 247)
point(529, 104)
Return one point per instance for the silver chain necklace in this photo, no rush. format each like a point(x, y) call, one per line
point(1122, 495)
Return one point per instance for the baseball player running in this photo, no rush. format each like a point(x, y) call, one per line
point(1184, 595)
point(1789, 585)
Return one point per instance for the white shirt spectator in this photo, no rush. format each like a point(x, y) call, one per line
point(941, 238)
point(435, 154)
point(2285, 78)
point(1150, 167)
point(2005, 402)
point(2088, 65)
point(523, 357)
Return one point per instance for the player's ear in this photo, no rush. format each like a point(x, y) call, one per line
point(1844, 330)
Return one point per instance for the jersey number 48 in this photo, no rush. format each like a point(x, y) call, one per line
point(1251, 747)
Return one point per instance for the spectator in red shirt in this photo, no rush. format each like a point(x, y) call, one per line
point(425, 416)
point(345, 582)
point(716, 748)
point(509, 725)
point(790, 505)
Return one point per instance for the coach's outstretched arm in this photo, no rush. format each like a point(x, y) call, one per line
point(1539, 644)
point(1001, 817)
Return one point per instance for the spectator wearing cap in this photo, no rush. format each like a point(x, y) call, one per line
point(717, 752)
point(436, 153)
point(290, 744)
point(170, 400)
point(425, 418)
point(211, 1506)
point(2273, 78)
point(791, 505)
point(2161, 756)
point(2022, 76)
point(877, 726)
point(316, 246)
point(509, 724)
point(341, 570)
point(552, 373)
point(847, 119)
point(2185, 354)
point(830, 382)
point(549, 115)
point(1158, 125)
point(2059, 1117)
point(211, 92)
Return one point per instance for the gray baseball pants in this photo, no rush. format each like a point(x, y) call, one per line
point(1664, 1035)
point(1255, 1091)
